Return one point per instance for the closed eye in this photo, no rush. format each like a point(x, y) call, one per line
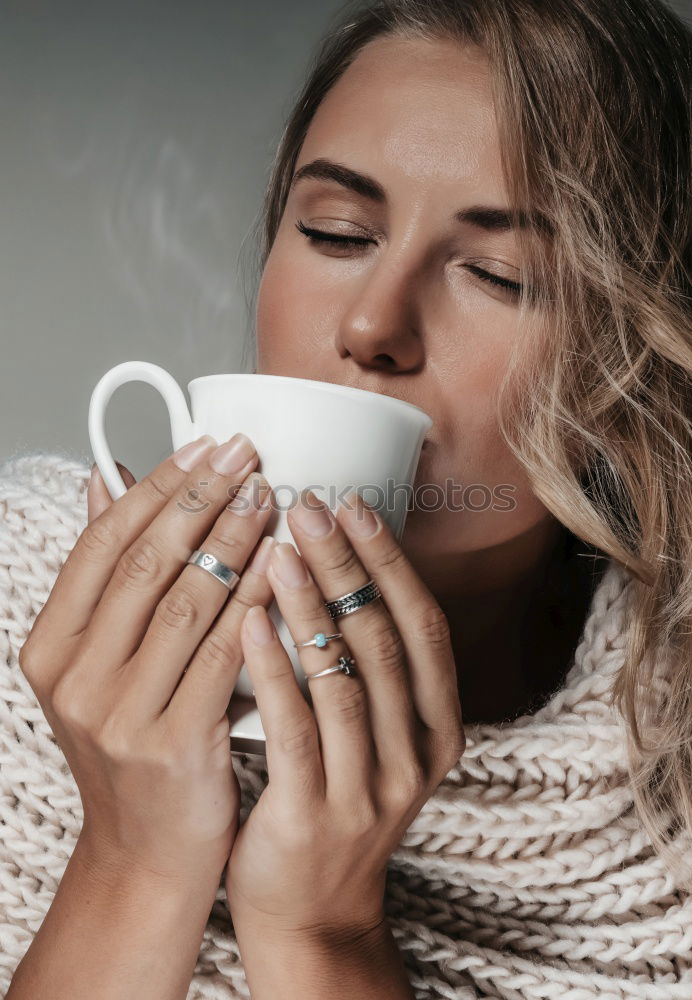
point(318, 237)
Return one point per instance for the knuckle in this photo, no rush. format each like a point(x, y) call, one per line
point(351, 705)
point(433, 626)
point(391, 558)
point(177, 609)
point(408, 786)
point(299, 739)
point(69, 705)
point(61, 698)
point(28, 660)
point(100, 537)
point(360, 818)
point(115, 739)
point(386, 647)
point(226, 542)
point(218, 651)
point(155, 487)
point(140, 564)
point(312, 619)
point(339, 560)
point(243, 598)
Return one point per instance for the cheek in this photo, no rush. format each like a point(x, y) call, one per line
point(277, 299)
point(473, 450)
point(471, 386)
point(293, 313)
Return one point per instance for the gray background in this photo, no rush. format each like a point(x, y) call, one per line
point(137, 137)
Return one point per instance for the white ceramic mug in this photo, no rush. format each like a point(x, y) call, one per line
point(313, 434)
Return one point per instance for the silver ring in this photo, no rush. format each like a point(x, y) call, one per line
point(346, 665)
point(319, 639)
point(349, 603)
point(228, 577)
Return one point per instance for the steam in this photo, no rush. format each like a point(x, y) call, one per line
point(170, 246)
point(163, 223)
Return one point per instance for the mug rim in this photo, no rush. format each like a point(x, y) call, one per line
point(348, 390)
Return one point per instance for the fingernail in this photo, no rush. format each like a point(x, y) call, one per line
point(233, 455)
point(290, 568)
point(359, 518)
point(249, 498)
point(312, 516)
point(187, 457)
point(263, 554)
point(260, 626)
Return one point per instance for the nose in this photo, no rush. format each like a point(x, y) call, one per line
point(381, 328)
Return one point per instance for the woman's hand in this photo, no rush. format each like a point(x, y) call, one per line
point(347, 780)
point(135, 655)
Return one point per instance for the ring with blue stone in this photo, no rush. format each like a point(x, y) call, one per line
point(319, 639)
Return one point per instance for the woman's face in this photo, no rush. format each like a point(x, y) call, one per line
point(410, 311)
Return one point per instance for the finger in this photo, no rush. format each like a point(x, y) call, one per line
point(98, 497)
point(294, 760)
point(417, 615)
point(187, 610)
point(92, 561)
point(208, 681)
point(370, 634)
point(150, 564)
point(340, 702)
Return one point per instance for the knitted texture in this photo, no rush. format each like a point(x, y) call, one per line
point(526, 875)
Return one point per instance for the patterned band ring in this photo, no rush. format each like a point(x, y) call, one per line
point(349, 603)
point(228, 577)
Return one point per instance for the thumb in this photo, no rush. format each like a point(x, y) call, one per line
point(98, 497)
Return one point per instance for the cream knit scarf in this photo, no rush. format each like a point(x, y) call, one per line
point(525, 876)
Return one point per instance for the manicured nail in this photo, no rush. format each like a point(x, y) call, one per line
point(312, 516)
point(233, 455)
point(289, 567)
point(359, 518)
point(187, 457)
point(263, 554)
point(260, 626)
point(250, 497)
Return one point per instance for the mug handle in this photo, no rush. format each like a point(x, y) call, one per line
point(182, 425)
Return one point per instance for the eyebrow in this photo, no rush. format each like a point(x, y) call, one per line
point(490, 219)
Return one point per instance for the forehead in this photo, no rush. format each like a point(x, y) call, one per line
point(415, 110)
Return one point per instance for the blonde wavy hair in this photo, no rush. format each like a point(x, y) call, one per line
point(593, 105)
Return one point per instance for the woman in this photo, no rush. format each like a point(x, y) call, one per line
point(481, 208)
